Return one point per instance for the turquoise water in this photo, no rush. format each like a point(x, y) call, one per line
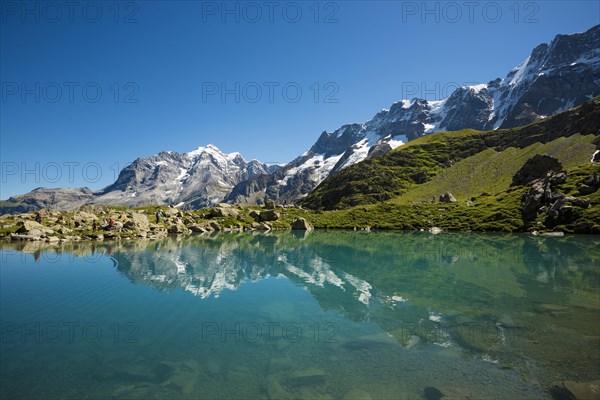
point(331, 315)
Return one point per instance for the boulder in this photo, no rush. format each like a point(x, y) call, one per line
point(592, 180)
point(224, 212)
point(587, 189)
point(536, 167)
point(535, 198)
point(269, 215)
point(301, 224)
point(27, 226)
point(307, 377)
point(177, 228)
point(576, 390)
point(215, 225)
point(196, 228)
point(447, 198)
point(583, 203)
point(255, 215)
point(138, 221)
point(269, 204)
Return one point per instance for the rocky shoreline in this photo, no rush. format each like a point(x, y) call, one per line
point(128, 224)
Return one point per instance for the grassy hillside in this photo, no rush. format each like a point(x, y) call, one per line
point(491, 171)
point(489, 161)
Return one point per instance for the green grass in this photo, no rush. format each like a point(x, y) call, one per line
point(492, 171)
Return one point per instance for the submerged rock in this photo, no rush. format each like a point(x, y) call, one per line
point(357, 394)
point(307, 377)
point(570, 390)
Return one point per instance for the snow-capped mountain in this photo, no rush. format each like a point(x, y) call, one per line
point(198, 178)
point(555, 77)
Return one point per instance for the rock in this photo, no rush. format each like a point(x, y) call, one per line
point(269, 215)
point(23, 237)
point(536, 167)
point(275, 391)
point(565, 210)
point(264, 227)
point(557, 204)
point(27, 226)
point(570, 390)
point(138, 221)
point(535, 198)
point(224, 212)
point(552, 234)
point(301, 224)
point(176, 228)
point(357, 394)
point(215, 225)
point(435, 230)
point(269, 204)
point(36, 232)
point(448, 393)
point(557, 179)
point(255, 215)
point(447, 198)
point(586, 189)
point(52, 239)
point(278, 364)
point(197, 228)
point(432, 393)
point(212, 367)
point(592, 180)
point(307, 377)
point(583, 203)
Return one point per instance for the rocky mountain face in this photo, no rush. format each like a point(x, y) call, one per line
point(59, 199)
point(195, 179)
point(192, 180)
point(555, 77)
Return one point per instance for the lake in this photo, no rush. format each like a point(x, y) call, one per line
point(321, 315)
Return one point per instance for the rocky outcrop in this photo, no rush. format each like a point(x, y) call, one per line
point(269, 215)
point(552, 208)
point(536, 167)
point(447, 198)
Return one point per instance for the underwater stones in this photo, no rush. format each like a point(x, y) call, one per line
point(275, 391)
point(179, 375)
point(278, 364)
point(570, 390)
point(447, 393)
point(357, 394)
point(212, 367)
point(307, 377)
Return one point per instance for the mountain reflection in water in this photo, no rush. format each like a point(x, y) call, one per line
point(478, 314)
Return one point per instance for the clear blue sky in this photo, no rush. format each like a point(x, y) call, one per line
point(160, 67)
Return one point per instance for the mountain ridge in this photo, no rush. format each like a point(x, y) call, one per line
point(555, 77)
